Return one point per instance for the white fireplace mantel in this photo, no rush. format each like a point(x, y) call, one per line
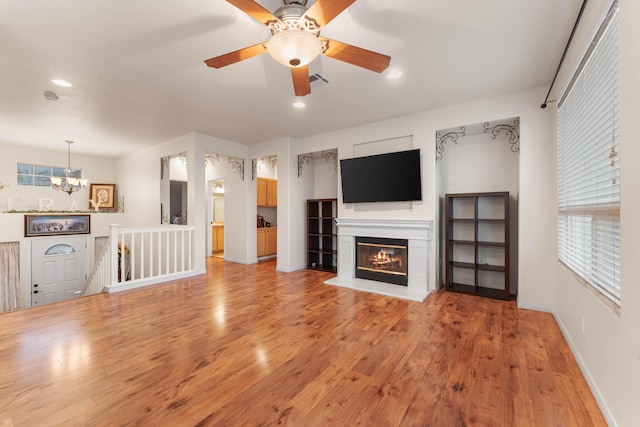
point(418, 234)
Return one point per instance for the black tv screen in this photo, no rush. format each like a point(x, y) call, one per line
point(391, 177)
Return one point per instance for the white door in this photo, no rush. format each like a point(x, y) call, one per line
point(58, 268)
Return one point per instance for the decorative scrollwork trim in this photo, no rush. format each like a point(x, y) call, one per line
point(164, 167)
point(331, 156)
point(442, 139)
point(237, 166)
point(303, 159)
point(184, 158)
point(509, 130)
point(211, 159)
point(273, 161)
point(120, 207)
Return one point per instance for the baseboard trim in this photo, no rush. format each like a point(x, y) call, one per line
point(583, 368)
point(536, 307)
point(585, 372)
point(135, 284)
point(291, 270)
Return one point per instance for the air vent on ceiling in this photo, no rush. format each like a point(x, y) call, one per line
point(318, 80)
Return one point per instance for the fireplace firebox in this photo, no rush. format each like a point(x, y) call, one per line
point(383, 260)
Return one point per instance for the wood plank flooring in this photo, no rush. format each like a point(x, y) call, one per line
point(245, 345)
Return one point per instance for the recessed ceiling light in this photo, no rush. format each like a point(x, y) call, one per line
point(298, 104)
point(61, 82)
point(394, 74)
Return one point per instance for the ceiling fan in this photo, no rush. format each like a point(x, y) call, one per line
point(295, 39)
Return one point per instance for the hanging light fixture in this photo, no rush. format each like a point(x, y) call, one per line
point(294, 40)
point(294, 48)
point(68, 184)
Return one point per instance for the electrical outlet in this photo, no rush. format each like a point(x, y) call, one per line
point(582, 323)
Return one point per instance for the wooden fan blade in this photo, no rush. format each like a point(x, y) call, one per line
point(301, 84)
point(323, 11)
point(236, 56)
point(356, 55)
point(254, 10)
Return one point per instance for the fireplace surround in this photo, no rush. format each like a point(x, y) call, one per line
point(418, 236)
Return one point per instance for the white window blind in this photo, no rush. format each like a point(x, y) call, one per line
point(589, 166)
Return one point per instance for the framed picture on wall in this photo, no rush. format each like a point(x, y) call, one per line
point(102, 195)
point(51, 225)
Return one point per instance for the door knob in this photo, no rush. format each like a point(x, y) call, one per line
point(35, 292)
point(35, 286)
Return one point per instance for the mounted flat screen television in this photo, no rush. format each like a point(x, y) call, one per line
point(390, 177)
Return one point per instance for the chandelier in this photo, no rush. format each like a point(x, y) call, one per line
point(68, 184)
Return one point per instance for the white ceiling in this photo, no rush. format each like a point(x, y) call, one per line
point(139, 78)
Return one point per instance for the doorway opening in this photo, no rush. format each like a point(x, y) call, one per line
point(217, 191)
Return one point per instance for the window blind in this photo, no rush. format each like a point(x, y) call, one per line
point(589, 166)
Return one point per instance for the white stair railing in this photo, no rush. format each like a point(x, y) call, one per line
point(147, 255)
point(99, 277)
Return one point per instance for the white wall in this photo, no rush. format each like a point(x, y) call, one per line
point(178, 169)
point(609, 348)
point(537, 200)
point(480, 163)
point(325, 179)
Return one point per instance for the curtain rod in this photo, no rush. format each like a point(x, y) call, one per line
point(566, 48)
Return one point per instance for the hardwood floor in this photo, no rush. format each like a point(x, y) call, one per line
point(245, 345)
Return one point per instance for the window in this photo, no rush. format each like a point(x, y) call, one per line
point(40, 176)
point(589, 166)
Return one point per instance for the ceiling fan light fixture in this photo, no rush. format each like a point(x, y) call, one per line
point(294, 48)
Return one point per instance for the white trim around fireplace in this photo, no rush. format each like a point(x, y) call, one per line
point(418, 233)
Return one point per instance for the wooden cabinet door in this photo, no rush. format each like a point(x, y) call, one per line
point(261, 242)
point(217, 239)
point(272, 192)
point(267, 192)
point(220, 239)
point(262, 192)
point(271, 241)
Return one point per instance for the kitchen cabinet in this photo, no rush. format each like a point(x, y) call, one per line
point(267, 241)
point(267, 192)
point(217, 238)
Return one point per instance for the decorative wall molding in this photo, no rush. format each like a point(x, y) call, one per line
point(120, 206)
point(184, 159)
point(164, 216)
point(510, 130)
point(328, 155)
point(447, 136)
point(211, 159)
point(254, 169)
point(258, 164)
point(509, 127)
point(237, 166)
point(164, 167)
point(303, 159)
point(331, 156)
